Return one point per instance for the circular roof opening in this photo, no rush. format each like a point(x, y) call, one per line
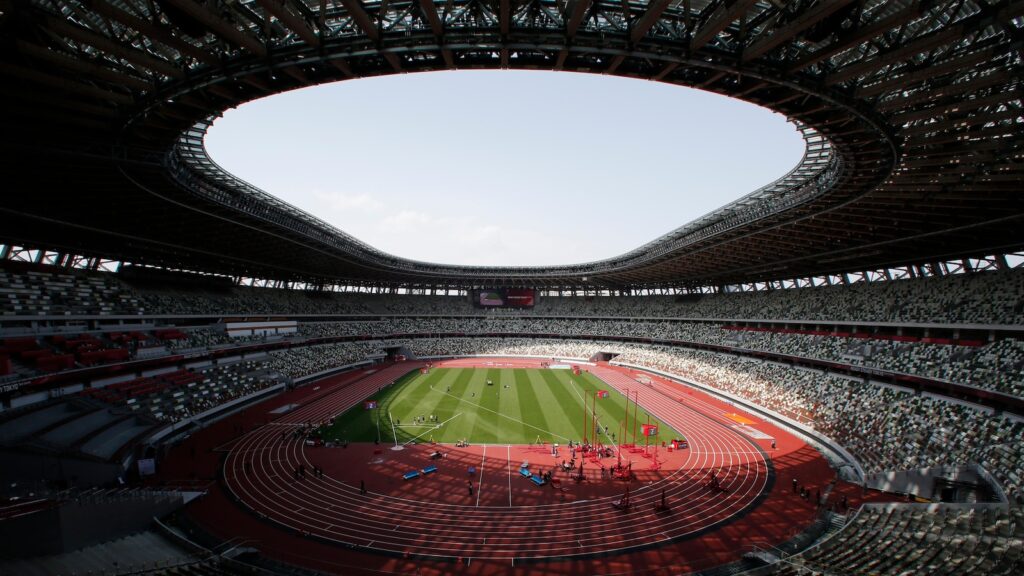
point(505, 168)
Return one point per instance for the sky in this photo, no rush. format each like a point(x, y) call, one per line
point(504, 168)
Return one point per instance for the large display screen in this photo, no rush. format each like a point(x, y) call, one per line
point(504, 298)
point(519, 297)
point(490, 298)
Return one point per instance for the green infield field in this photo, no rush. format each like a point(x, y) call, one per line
point(518, 407)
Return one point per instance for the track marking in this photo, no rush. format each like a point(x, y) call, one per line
point(724, 452)
point(482, 407)
point(480, 485)
point(429, 518)
point(509, 456)
point(435, 427)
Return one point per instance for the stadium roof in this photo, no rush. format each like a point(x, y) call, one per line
point(911, 110)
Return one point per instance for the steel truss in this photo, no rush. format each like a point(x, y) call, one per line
point(911, 110)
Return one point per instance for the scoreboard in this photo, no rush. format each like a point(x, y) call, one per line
point(504, 298)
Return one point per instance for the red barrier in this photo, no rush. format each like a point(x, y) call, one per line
point(33, 356)
point(93, 357)
point(20, 344)
point(55, 362)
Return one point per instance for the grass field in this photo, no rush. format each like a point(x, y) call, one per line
point(520, 406)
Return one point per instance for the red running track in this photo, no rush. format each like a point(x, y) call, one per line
point(259, 472)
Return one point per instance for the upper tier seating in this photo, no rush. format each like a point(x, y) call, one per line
point(995, 366)
point(979, 298)
point(64, 293)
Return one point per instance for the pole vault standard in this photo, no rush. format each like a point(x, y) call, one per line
point(393, 433)
point(636, 399)
point(593, 421)
point(584, 419)
point(626, 422)
point(646, 437)
point(636, 395)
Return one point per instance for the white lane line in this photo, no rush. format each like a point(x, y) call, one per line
point(479, 487)
point(509, 456)
point(482, 407)
point(434, 427)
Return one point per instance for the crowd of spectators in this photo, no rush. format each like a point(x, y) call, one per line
point(998, 365)
point(222, 384)
point(995, 366)
point(992, 297)
point(64, 293)
point(886, 428)
point(304, 361)
point(183, 393)
point(914, 539)
point(980, 298)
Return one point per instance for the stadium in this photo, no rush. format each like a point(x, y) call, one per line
point(825, 376)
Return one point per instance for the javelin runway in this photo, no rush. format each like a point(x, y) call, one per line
point(260, 471)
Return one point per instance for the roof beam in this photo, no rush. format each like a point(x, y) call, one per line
point(964, 106)
point(579, 10)
point(809, 18)
point(861, 35)
point(930, 41)
point(430, 13)
point(922, 44)
point(63, 83)
point(668, 69)
point(106, 44)
point(342, 66)
point(572, 24)
point(296, 73)
point(70, 63)
point(725, 14)
point(292, 21)
point(955, 89)
point(910, 79)
point(504, 15)
point(220, 27)
point(37, 97)
point(646, 22)
point(616, 62)
point(362, 19)
point(153, 31)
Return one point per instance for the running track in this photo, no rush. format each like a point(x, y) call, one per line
point(259, 471)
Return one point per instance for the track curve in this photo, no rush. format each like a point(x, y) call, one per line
point(258, 471)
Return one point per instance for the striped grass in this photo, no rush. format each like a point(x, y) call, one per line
point(521, 406)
